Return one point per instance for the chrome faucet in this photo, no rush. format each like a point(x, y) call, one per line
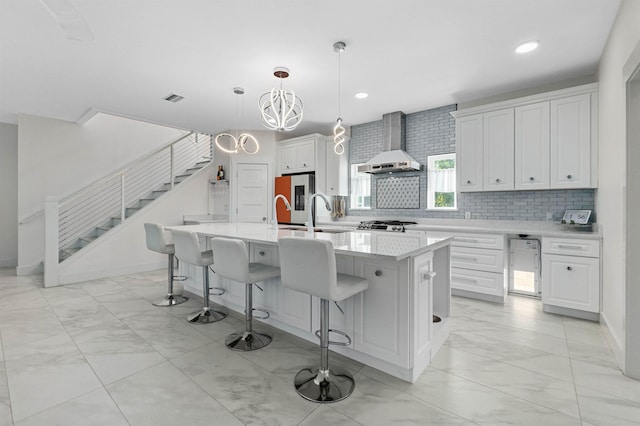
point(274, 223)
point(310, 204)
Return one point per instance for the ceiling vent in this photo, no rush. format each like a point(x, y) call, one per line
point(173, 98)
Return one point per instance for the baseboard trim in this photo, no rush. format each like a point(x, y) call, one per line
point(479, 296)
point(34, 269)
point(110, 272)
point(575, 313)
point(614, 342)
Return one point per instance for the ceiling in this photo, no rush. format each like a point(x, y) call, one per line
point(409, 55)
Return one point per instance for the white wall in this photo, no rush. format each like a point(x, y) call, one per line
point(8, 195)
point(56, 158)
point(123, 250)
point(624, 36)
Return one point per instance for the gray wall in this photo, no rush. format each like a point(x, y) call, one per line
point(8, 195)
point(433, 132)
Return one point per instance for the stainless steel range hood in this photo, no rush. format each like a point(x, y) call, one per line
point(392, 158)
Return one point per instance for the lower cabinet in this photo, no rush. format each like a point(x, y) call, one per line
point(571, 274)
point(381, 313)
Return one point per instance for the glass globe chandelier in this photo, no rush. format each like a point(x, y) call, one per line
point(243, 142)
point(280, 109)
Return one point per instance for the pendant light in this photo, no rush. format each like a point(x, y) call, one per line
point(280, 109)
point(338, 129)
point(239, 143)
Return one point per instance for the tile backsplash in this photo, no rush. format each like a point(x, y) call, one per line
point(433, 132)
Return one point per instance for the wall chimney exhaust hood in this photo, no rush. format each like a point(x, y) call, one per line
point(392, 158)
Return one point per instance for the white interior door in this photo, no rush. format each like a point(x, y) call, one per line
point(252, 192)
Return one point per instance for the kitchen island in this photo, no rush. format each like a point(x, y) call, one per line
point(397, 325)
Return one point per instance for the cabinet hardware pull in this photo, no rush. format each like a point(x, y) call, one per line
point(378, 273)
point(468, 181)
point(428, 276)
point(567, 246)
point(304, 164)
point(287, 167)
point(470, 280)
point(498, 180)
point(261, 253)
point(568, 176)
point(531, 179)
point(475, 259)
point(569, 268)
point(465, 240)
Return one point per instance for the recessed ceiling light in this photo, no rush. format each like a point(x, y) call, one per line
point(528, 46)
point(362, 95)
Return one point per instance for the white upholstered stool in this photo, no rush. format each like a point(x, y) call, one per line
point(309, 266)
point(187, 249)
point(232, 262)
point(157, 241)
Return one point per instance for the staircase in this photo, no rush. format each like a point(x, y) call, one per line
point(98, 208)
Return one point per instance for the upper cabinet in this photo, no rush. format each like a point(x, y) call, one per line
point(298, 155)
point(498, 150)
point(570, 142)
point(337, 170)
point(469, 149)
point(546, 141)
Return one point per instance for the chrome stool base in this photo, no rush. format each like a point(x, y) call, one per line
point(324, 386)
point(170, 300)
point(247, 341)
point(206, 316)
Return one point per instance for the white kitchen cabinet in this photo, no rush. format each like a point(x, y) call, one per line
point(478, 264)
point(336, 170)
point(423, 276)
point(532, 146)
point(469, 152)
point(570, 142)
point(571, 274)
point(266, 298)
point(548, 141)
point(498, 167)
point(381, 323)
point(298, 155)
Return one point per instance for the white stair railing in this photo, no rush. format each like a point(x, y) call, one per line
point(115, 197)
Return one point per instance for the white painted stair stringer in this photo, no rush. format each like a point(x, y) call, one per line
point(123, 249)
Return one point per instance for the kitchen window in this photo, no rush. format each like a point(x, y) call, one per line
point(441, 182)
point(360, 185)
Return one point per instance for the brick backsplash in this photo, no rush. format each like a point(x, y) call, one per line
point(433, 132)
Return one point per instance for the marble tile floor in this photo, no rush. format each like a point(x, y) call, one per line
point(98, 353)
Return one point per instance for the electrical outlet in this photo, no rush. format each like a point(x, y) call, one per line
point(549, 215)
point(467, 215)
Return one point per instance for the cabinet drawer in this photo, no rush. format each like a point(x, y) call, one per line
point(478, 281)
point(490, 241)
point(571, 247)
point(477, 259)
point(265, 254)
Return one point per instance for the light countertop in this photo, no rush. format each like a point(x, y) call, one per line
point(533, 228)
point(387, 245)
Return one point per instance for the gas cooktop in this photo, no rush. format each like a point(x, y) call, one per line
point(384, 225)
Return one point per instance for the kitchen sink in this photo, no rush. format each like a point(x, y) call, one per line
point(326, 230)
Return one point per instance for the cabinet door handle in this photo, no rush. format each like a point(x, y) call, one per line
point(475, 259)
point(469, 280)
point(498, 180)
point(378, 273)
point(304, 164)
point(287, 167)
point(331, 188)
point(567, 246)
point(468, 181)
point(261, 253)
point(428, 276)
point(569, 176)
point(531, 179)
point(569, 268)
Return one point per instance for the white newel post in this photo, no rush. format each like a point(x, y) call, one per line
point(51, 265)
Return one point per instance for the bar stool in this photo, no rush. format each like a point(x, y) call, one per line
point(187, 248)
point(157, 241)
point(232, 262)
point(309, 266)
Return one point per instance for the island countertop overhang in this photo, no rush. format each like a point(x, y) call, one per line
point(360, 243)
